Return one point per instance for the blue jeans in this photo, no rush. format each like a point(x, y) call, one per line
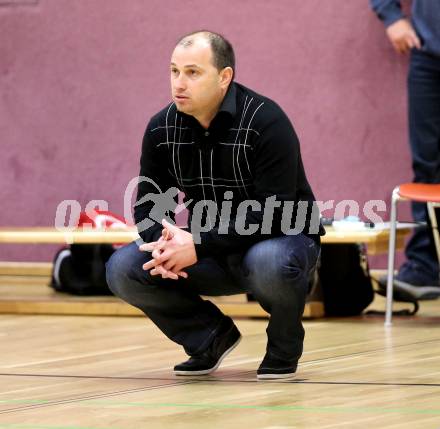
point(275, 271)
point(424, 133)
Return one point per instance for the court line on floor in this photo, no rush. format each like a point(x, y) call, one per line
point(28, 426)
point(382, 349)
point(279, 408)
point(78, 356)
point(112, 377)
point(210, 379)
point(227, 378)
point(36, 404)
point(302, 363)
point(49, 403)
point(271, 407)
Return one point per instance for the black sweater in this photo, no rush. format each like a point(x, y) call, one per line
point(249, 152)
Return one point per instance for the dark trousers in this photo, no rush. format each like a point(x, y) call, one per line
point(424, 133)
point(275, 271)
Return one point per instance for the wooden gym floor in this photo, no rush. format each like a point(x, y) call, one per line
point(95, 372)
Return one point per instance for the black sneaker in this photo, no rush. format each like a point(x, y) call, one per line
point(208, 361)
point(272, 369)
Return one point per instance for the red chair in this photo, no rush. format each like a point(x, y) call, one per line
point(421, 192)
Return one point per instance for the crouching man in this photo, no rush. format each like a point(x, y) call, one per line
point(254, 225)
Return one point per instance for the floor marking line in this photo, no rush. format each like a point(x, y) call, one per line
point(228, 379)
point(101, 395)
point(277, 407)
point(28, 426)
point(75, 357)
point(365, 352)
point(321, 409)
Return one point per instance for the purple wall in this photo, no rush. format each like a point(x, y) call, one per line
point(79, 80)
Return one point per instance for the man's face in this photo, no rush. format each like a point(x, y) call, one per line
point(196, 84)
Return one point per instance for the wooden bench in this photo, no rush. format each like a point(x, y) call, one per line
point(23, 286)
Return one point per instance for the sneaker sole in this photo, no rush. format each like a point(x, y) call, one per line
point(422, 293)
point(209, 370)
point(407, 292)
point(275, 376)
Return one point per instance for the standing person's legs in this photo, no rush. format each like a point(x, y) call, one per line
point(421, 268)
point(173, 305)
point(277, 273)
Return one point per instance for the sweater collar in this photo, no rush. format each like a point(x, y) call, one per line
point(229, 103)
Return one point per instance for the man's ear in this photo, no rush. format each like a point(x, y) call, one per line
point(226, 76)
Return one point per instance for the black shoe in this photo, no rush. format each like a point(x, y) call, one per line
point(272, 369)
point(208, 361)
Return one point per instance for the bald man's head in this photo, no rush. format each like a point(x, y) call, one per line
point(201, 69)
point(222, 51)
